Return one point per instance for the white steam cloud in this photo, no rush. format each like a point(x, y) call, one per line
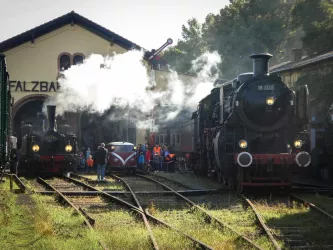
point(123, 82)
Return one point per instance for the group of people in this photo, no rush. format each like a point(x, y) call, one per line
point(100, 158)
point(155, 159)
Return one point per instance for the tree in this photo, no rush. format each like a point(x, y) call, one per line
point(240, 29)
point(315, 17)
point(190, 47)
point(246, 27)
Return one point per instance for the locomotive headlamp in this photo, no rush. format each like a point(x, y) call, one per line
point(298, 143)
point(35, 148)
point(68, 148)
point(134, 148)
point(270, 100)
point(242, 144)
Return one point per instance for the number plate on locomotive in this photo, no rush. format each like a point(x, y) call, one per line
point(51, 138)
point(267, 87)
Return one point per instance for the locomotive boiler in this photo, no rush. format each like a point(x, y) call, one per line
point(47, 151)
point(252, 130)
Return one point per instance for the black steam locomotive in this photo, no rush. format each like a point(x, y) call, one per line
point(47, 151)
point(250, 131)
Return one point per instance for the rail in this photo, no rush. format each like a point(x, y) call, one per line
point(137, 209)
point(87, 219)
point(262, 223)
point(18, 182)
point(311, 205)
point(195, 241)
point(209, 216)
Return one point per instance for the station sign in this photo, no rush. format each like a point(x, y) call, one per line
point(33, 86)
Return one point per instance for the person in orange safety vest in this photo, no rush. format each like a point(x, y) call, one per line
point(157, 158)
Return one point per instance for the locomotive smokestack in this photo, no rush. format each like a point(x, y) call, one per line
point(260, 64)
point(51, 117)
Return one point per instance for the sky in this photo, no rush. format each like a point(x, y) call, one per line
point(147, 23)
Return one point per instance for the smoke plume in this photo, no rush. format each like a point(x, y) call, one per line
point(122, 81)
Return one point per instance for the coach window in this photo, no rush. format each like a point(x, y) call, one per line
point(178, 138)
point(64, 62)
point(78, 59)
point(161, 139)
point(173, 139)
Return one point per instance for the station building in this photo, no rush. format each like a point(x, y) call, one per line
point(36, 58)
point(300, 70)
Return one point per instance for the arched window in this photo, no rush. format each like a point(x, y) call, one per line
point(78, 59)
point(64, 62)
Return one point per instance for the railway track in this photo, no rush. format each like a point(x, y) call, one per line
point(140, 192)
point(177, 212)
point(287, 232)
point(95, 206)
point(84, 205)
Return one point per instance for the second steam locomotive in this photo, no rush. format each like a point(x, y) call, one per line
point(47, 151)
point(250, 131)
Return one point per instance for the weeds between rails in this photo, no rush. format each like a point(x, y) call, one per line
point(110, 215)
point(324, 201)
point(186, 216)
point(167, 237)
point(36, 222)
point(293, 225)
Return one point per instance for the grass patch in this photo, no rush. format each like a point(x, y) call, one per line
point(121, 229)
point(39, 223)
point(322, 201)
point(168, 239)
point(192, 223)
point(315, 229)
point(228, 208)
point(109, 185)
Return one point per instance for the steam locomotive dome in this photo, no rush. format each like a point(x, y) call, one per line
point(265, 100)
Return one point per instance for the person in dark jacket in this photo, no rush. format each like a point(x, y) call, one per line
point(101, 159)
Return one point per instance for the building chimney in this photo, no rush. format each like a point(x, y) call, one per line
point(260, 64)
point(296, 55)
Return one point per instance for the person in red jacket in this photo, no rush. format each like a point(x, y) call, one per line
point(147, 159)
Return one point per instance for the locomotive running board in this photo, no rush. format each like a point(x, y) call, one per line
point(94, 193)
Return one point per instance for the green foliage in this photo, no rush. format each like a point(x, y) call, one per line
point(240, 29)
point(315, 17)
point(189, 48)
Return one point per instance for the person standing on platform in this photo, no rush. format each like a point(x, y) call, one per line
point(101, 160)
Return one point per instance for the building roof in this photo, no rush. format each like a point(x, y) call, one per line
point(285, 66)
point(69, 18)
